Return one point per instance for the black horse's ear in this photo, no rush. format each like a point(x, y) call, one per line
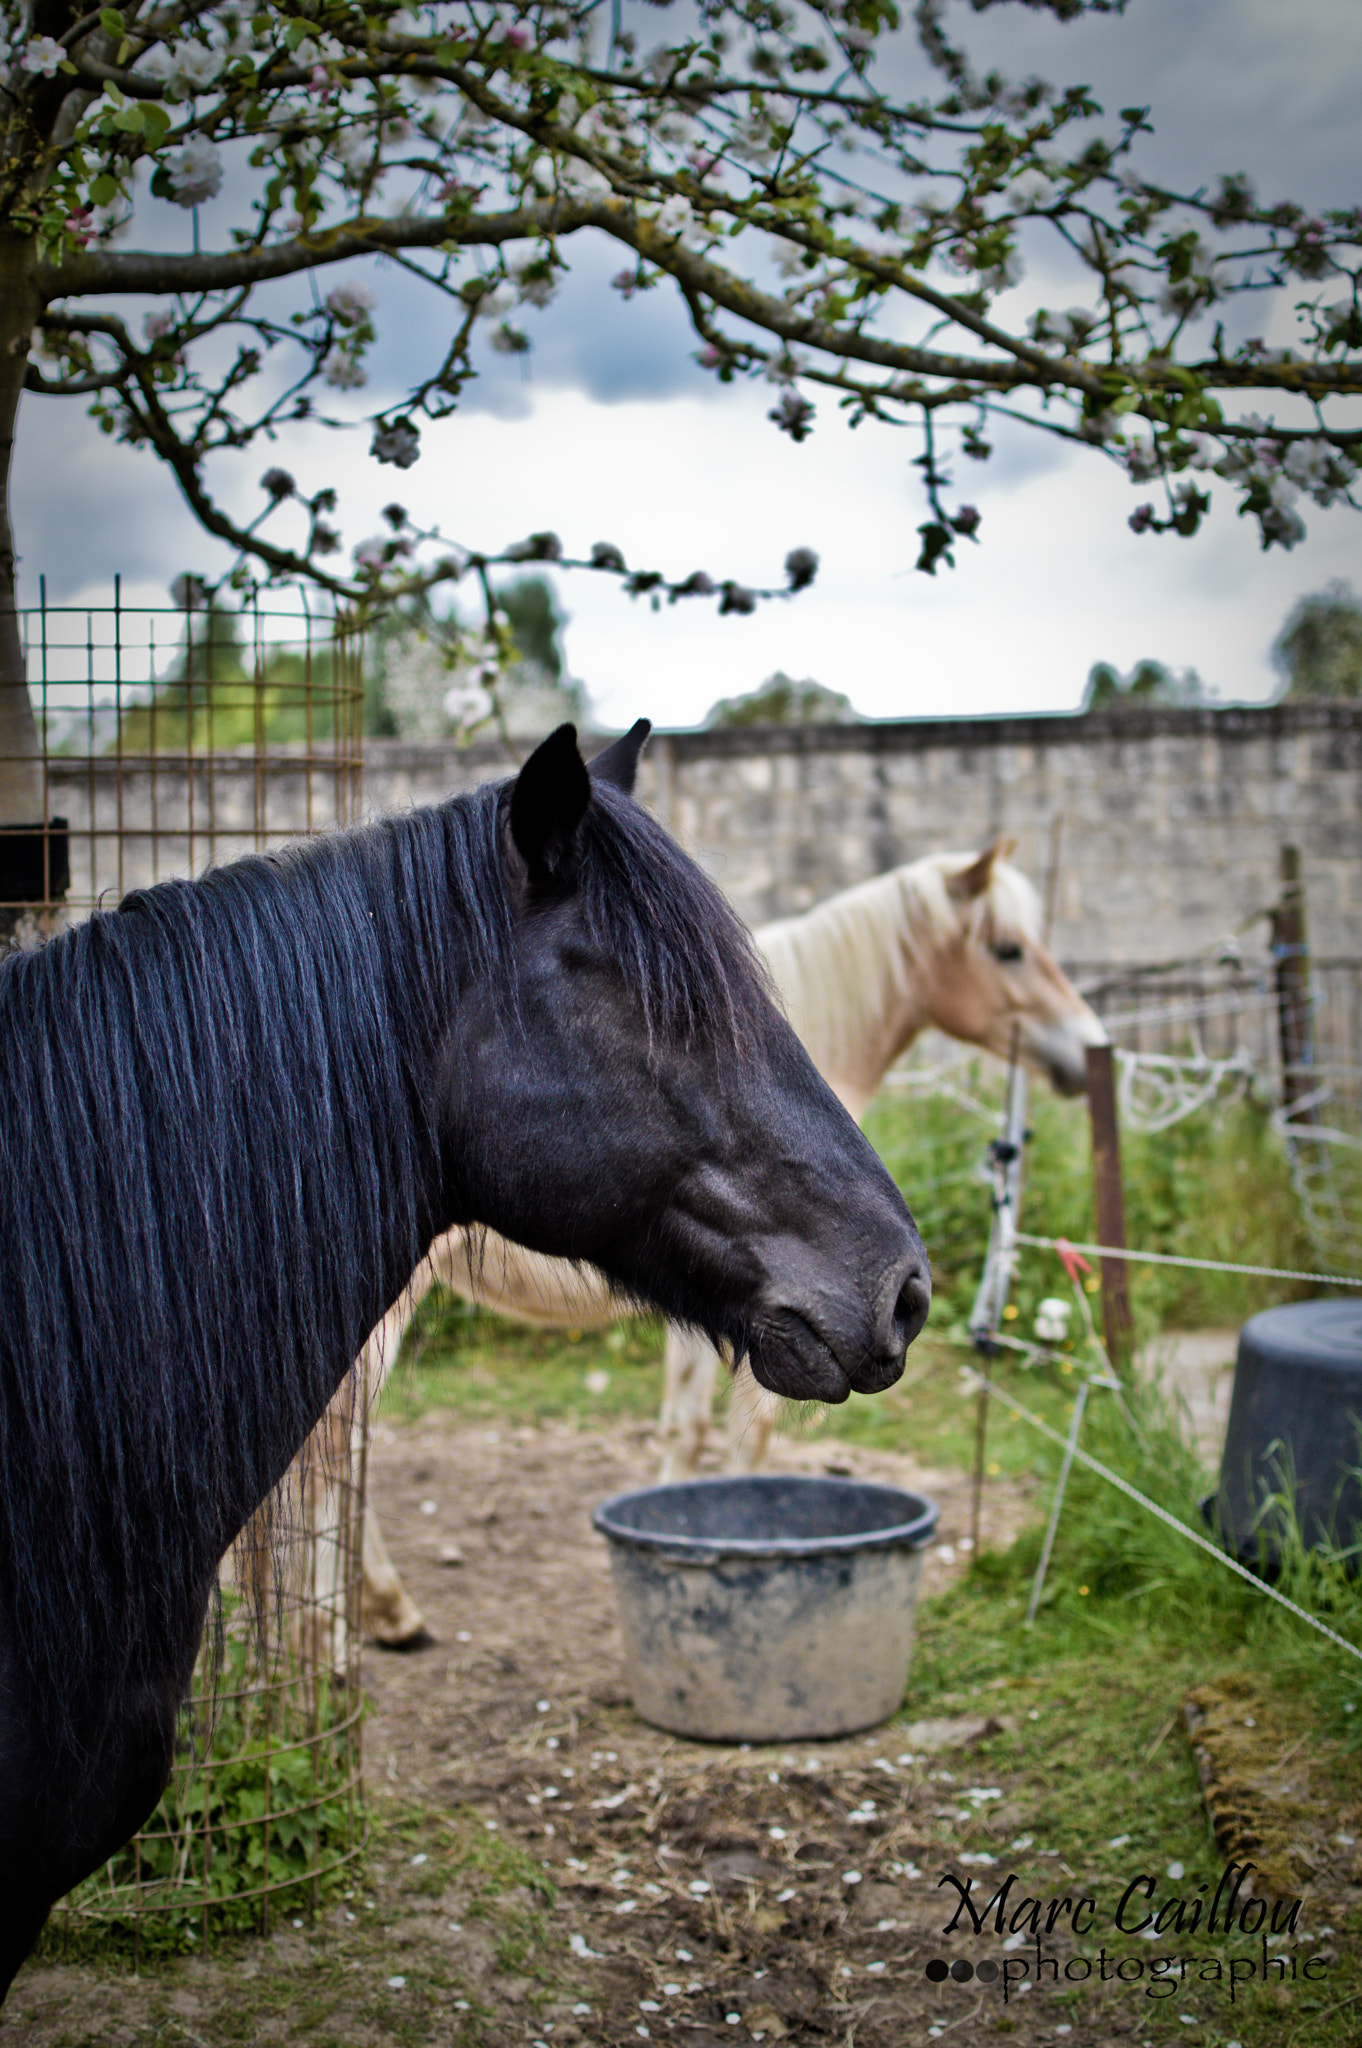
point(618, 763)
point(548, 803)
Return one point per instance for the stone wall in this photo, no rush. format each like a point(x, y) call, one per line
point(1172, 821)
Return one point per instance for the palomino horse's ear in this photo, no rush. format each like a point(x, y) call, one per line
point(618, 763)
point(548, 803)
point(976, 878)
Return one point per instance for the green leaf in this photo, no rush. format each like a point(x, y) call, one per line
point(104, 190)
point(155, 123)
point(112, 21)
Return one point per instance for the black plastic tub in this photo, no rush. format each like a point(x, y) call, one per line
point(1295, 1432)
point(768, 1607)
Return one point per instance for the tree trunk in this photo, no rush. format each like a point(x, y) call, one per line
point(21, 776)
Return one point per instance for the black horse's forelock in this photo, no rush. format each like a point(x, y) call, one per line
point(693, 966)
point(217, 1151)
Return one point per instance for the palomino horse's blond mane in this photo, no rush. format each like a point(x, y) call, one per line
point(953, 940)
point(861, 974)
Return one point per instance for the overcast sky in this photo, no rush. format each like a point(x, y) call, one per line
point(608, 431)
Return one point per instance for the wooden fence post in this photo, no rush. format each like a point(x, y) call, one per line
point(1292, 953)
point(1117, 1322)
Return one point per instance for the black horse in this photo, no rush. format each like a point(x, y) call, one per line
point(234, 1113)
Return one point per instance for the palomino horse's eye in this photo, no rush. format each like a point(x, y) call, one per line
point(1007, 953)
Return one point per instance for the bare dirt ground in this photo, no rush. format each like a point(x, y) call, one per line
point(549, 1871)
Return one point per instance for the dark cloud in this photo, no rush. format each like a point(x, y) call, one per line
point(589, 337)
point(88, 508)
point(1233, 85)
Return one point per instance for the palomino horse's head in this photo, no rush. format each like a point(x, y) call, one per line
point(995, 980)
point(634, 1099)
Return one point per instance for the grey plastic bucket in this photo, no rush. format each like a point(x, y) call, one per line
point(768, 1607)
point(1295, 1428)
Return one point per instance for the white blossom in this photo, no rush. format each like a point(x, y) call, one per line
point(999, 276)
point(674, 217)
point(785, 367)
point(467, 704)
point(237, 40)
point(349, 303)
point(542, 173)
point(350, 146)
point(111, 220)
point(1032, 192)
point(1307, 463)
point(43, 54)
point(398, 443)
point(1142, 462)
point(191, 68)
point(344, 370)
point(195, 172)
point(594, 125)
point(584, 179)
point(677, 131)
point(537, 290)
point(495, 304)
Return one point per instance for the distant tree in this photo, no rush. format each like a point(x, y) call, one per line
point(1319, 649)
point(1149, 682)
point(782, 701)
point(536, 624)
point(433, 675)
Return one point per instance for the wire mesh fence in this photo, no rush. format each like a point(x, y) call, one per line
point(162, 741)
point(264, 1813)
point(1186, 1035)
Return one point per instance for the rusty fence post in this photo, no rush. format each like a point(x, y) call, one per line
point(1117, 1323)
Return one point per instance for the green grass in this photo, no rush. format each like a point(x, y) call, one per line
point(1215, 1186)
point(482, 1367)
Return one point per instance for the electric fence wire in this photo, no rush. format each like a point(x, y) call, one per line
point(1075, 1451)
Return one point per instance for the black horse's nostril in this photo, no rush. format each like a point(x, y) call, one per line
point(910, 1310)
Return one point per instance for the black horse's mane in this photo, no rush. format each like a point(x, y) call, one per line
point(217, 1163)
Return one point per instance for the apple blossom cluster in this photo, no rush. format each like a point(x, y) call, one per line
point(824, 234)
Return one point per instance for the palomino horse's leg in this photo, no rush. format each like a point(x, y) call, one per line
point(386, 1608)
point(752, 1415)
point(391, 1616)
point(498, 1275)
point(691, 1364)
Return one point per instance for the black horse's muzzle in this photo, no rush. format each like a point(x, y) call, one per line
point(809, 1344)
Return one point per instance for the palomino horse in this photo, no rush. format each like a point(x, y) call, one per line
point(951, 941)
point(235, 1112)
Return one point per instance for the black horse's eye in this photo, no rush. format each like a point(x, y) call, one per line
point(1007, 952)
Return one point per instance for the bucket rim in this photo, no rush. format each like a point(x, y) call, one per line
point(913, 1533)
